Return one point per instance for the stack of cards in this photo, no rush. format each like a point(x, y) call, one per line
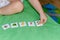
point(22, 24)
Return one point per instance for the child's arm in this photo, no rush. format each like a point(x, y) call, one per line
point(36, 4)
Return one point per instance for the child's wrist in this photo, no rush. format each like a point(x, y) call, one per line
point(42, 14)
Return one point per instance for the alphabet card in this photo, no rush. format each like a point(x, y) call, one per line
point(38, 24)
point(22, 24)
point(31, 24)
point(14, 25)
point(6, 26)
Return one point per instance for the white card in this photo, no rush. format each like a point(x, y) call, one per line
point(31, 24)
point(38, 24)
point(6, 26)
point(22, 24)
point(14, 25)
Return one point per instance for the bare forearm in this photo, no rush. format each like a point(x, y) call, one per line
point(36, 4)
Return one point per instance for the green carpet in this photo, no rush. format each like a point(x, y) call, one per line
point(49, 31)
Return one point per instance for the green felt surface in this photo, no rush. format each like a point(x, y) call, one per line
point(49, 31)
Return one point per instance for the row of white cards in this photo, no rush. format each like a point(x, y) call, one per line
point(21, 24)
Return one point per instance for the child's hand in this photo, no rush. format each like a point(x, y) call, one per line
point(36, 4)
point(43, 19)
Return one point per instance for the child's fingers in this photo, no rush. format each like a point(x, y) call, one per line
point(41, 21)
point(44, 21)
